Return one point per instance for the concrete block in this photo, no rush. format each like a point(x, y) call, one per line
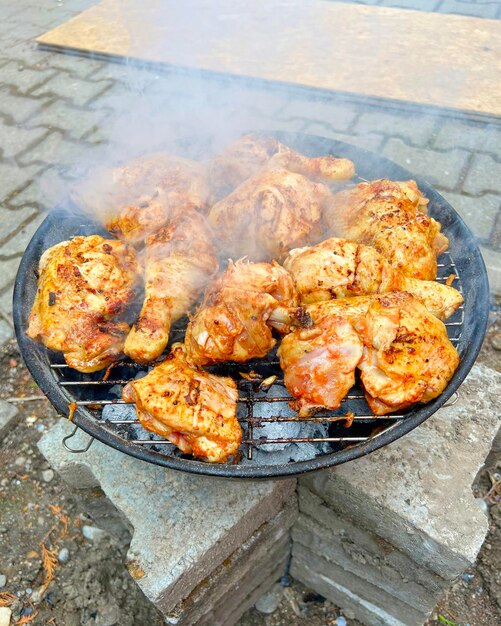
point(442, 169)
point(184, 526)
point(8, 414)
point(370, 604)
point(364, 554)
point(416, 493)
point(232, 587)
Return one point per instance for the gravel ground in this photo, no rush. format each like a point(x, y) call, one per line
point(61, 571)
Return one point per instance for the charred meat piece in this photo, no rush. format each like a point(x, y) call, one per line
point(338, 268)
point(194, 410)
point(391, 217)
point(249, 154)
point(239, 309)
point(137, 199)
point(180, 260)
point(84, 287)
point(273, 211)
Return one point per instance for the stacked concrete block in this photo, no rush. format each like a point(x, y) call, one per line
point(202, 550)
point(387, 534)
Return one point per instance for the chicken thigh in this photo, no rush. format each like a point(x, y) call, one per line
point(193, 409)
point(249, 154)
point(180, 260)
point(401, 349)
point(338, 268)
point(234, 321)
point(137, 199)
point(390, 217)
point(84, 286)
point(273, 211)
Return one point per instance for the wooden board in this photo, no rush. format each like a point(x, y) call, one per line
point(447, 61)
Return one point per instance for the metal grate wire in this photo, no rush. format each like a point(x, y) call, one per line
point(93, 394)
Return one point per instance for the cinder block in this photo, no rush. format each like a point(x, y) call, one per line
point(364, 554)
point(416, 493)
point(184, 526)
point(370, 604)
point(225, 592)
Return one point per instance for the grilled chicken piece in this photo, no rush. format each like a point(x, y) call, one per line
point(180, 260)
point(319, 364)
point(234, 321)
point(137, 199)
point(407, 356)
point(271, 212)
point(249, 154)
point(337, 268)
point(391, 217)
point(194, 410)
point(84, 286)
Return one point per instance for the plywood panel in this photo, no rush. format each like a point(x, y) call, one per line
point(443, 60)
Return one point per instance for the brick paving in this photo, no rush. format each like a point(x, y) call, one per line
point(59, 112)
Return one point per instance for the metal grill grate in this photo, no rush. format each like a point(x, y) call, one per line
point(257, 408)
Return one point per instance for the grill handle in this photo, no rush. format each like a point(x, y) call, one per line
point(75, 450)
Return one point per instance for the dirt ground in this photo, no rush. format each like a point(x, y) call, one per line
point(59, 573)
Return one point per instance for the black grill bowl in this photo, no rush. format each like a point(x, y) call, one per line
point(64, 223)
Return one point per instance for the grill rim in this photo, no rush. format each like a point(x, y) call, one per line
point(33, 354)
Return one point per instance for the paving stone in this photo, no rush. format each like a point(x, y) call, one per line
point(8, 413)
point(62, 116)
point(492, 260)
point(10, 220)
point(17, 109)
point(479, 213)
point(18, 243)
point(332, 114)
point(369, 141)
point(413, 128)
point(14, 178)
point(8, 271)
point(56, 150)
point(78, 66)
point(6, 334)
point(468, 8)
point(24, 79)
point(79, 92)
point(164, 509)
point(16, 139)
point(6, 302)
point(483, 175)
point(442, 169)
point(369, 604)
point(468, 135)
point(416, 493)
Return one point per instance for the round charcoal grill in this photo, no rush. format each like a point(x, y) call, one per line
point(276, 442)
